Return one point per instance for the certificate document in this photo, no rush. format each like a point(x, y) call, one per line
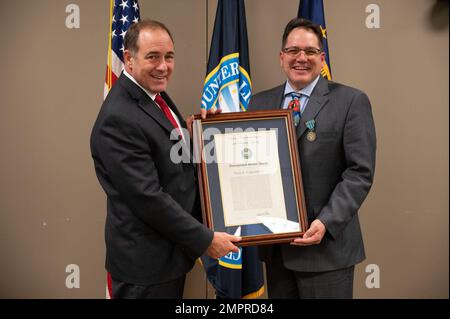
point(250, 176)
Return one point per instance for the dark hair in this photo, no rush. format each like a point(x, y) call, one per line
point(302, 24)
point(132, 35)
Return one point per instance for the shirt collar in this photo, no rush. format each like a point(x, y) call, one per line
point(152, 96)
point(307, 90)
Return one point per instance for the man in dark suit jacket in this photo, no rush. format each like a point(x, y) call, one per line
point(153, 233)
point(337, 144)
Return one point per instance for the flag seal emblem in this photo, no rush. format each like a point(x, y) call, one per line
point(227, 86)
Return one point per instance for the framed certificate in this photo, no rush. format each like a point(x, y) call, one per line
point(250, 176)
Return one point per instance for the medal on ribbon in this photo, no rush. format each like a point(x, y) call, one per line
point(311, 125)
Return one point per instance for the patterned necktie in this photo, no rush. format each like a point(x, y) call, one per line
point(165, 108)
point(294, 104)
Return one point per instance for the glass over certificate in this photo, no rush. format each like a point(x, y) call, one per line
point(250, 176)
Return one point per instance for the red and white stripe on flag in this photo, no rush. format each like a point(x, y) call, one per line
point(123, 13)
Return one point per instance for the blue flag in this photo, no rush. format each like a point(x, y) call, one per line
point(227, 84)
point(313, 10)
point(228, 87)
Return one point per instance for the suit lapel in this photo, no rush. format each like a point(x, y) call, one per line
point(147, 104)
point(277, 97)
point(316, 102)
point(152, 109)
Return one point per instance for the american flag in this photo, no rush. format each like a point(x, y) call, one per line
point(123, 13)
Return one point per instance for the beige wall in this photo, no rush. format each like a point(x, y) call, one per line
point(52, 208)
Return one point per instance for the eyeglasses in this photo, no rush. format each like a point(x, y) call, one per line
point(295, 51)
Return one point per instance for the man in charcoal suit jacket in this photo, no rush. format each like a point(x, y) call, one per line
point(337, 144)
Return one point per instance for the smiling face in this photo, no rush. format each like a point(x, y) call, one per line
point(153, 63)
point(301, 69)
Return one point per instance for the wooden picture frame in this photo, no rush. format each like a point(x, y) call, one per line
point(249, 176)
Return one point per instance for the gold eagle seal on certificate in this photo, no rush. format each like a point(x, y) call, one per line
point(246, 153)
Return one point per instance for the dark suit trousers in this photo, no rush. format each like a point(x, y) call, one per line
point(167, 290)
point(286, 283)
